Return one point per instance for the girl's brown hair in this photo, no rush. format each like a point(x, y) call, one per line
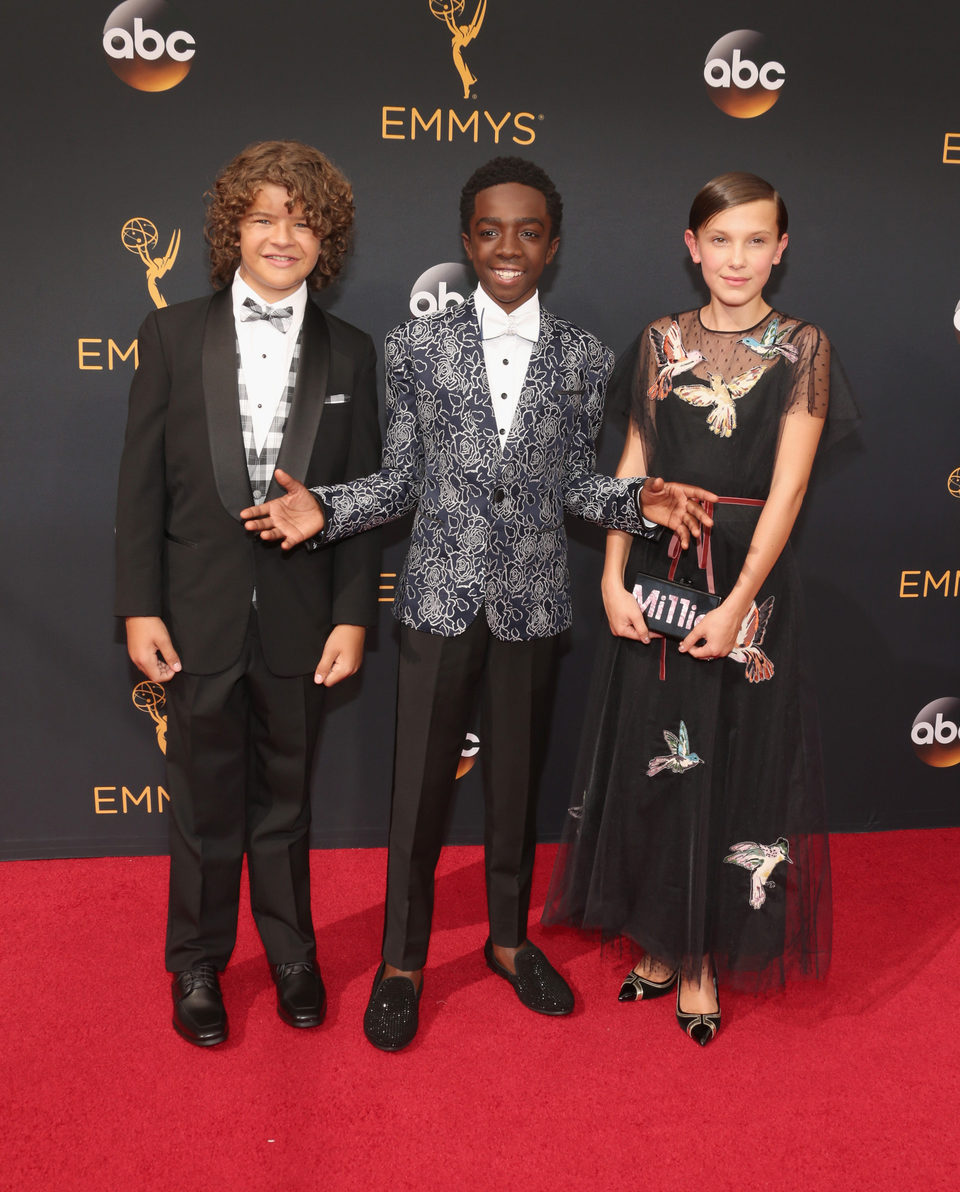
point(733, 190)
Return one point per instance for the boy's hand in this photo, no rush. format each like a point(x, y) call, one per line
point(292, 519)
point(676, 506)
point(342, 654)
point(150, 648)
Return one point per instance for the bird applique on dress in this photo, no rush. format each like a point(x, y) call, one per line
point(721, 394)
point(679, 758)
point(761, 859)
point(672, 359)
point(769, 346)
point(749, 639)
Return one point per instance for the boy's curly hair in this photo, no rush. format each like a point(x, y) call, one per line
point(309, 178)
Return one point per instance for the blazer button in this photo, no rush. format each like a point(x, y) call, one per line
point(497, 495)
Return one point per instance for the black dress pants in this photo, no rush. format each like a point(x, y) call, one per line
point(239, 753)
point(437, 684)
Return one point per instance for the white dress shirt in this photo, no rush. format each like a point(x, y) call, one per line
point(507, 355)
point(265, 353)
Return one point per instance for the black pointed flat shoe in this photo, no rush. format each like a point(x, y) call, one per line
point(641, 989)
point(702, 1028)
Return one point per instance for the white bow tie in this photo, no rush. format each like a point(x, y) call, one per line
point(497, 322)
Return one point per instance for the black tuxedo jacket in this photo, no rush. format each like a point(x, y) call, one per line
point(182, 551)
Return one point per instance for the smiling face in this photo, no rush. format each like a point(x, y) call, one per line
point(509, 243)
point(736, 251)
point(278, 250)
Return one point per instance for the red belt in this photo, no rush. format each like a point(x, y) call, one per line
point(704, 556)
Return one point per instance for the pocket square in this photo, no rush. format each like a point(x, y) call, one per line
point(336, 399)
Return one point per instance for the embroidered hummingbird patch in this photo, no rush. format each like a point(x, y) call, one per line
point(761, 859)
point(679, 758)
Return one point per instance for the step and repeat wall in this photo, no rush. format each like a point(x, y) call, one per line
point(118, 120)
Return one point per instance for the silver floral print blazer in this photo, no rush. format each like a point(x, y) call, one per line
point(488, 531)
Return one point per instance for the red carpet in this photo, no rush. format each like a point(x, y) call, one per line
point(852, 1084)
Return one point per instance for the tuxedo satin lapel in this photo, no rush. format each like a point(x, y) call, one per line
point(223, 405)
point(307, 408)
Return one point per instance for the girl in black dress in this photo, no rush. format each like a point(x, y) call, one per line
point(698, 828)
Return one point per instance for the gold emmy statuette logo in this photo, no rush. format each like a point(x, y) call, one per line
point(953, 483)
point(140, 236)
point(150, 697)
point(449, 11)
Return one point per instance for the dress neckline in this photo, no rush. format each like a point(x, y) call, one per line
point(736, 331)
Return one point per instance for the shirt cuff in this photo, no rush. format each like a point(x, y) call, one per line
point(318, 540)
point(650, 529)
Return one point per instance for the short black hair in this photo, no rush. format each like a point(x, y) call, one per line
point(499, 170)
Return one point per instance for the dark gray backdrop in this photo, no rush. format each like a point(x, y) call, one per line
point(618, 112)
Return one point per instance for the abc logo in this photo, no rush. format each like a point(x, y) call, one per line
point(936, 733)
point(145, 46)
point(468, 755)
point(740, 78)
point(440, 287)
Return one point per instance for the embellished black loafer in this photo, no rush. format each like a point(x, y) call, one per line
point(198, 1013)
point(393, 1011)
point(301, 998)
point(537, 983)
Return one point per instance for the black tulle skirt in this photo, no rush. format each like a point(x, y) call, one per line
point(697, 824)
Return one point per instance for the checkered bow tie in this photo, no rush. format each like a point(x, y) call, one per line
point(497, 322)
point(277, 316)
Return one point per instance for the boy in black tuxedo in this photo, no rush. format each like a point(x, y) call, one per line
point(244, 636)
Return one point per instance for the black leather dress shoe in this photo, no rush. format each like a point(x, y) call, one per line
point(301, 998)
point(393, 1011)
point(537, 983)
point(198, 1013)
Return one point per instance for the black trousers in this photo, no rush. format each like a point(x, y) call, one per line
point(437, 685)
point(239, 752)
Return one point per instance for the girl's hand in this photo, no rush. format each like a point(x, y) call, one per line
point(623, 613)
point(715, 636)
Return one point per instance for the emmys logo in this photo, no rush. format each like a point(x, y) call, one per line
point(468, 755)
point(402, 122)
point(442, 286)
point(739, 80)
point(144, 47)
point(917, 584)
point(936, 733)
point(449, 11)
point(150, 697)
point(139, 236)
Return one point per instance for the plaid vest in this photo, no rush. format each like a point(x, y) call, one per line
point(260, 465)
